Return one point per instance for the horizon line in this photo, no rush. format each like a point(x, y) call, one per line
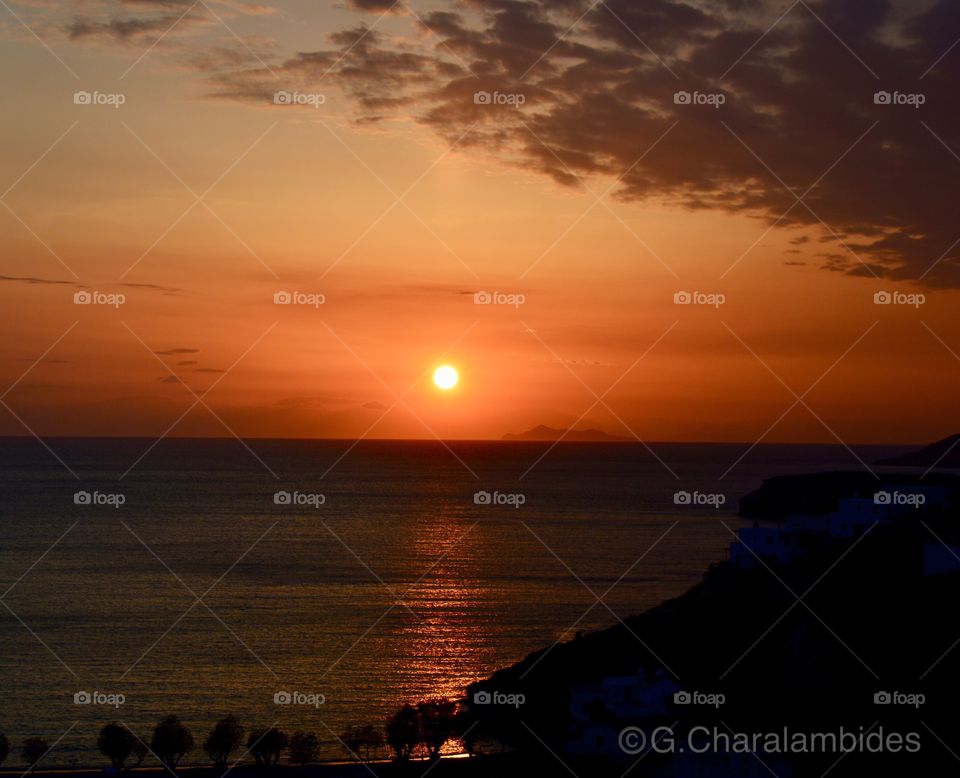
point(613, 442)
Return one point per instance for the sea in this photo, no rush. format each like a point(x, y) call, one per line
point(319, 585)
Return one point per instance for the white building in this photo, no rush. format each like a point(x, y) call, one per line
point(623, 696)
point(601, 710)
point(889, 504)
point(854, 515)
point(774, 545)
point(939, 559)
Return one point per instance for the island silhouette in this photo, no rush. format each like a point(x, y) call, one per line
point(944, 453)
point(551, 434)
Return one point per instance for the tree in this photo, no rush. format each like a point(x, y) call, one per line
point(116, 743)
point(171, 740)
point(371, 740)
point(468, 731)
point(266, 745)
point(226, 737)
point(4, 748)
point(362, 741)
point(403, 732)
point(352, 741)
point(437, 718)
point(33, 750)
point(139, 751)
point(304, 748)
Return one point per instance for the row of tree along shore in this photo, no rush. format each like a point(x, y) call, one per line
point(420, 730)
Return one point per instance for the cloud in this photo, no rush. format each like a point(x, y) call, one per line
point(376, 6)
point(174, 351)
point(375, 406)
point(599, 83)
point(208, 370)
point(170, 379)
point(310, 402)
point(34, 280)
point(169, 290)
point(799, 117)
point(170, 17)
point(129, 28)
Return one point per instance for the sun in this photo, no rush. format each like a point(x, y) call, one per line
point(445, 377)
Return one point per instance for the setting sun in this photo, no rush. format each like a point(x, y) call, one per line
point(445, 377)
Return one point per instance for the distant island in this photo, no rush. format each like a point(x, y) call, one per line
point(544, 433)
point(943, 453)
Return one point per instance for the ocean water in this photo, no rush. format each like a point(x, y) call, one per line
point(201, 596)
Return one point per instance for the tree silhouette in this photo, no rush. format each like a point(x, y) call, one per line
point(304, 748)
point(362, 741)
point(171, 740)
point(468, 731)
point(4, 748)
point(403, 732)
point(139, 751)
point(437, 718)
point(224, 739)
point(116, 743)
point(33, 750)
point(266, 745)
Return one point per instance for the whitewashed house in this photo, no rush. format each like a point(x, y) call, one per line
point(774, 545)
point(939, 559)
point(890, 503)
point(601, 710)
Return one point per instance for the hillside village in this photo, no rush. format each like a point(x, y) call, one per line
point(897, 541)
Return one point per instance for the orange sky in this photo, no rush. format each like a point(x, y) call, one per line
point(301, 201)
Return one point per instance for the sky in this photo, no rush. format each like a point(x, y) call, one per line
point(687, 221)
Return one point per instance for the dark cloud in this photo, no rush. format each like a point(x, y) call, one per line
point(34, 280)
point(209, 370)
point(376, 6)
point(173, 351)
point(128, 28)
point(169, 18)
point(598, 83)
point(167, 290)
point(170, 379)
